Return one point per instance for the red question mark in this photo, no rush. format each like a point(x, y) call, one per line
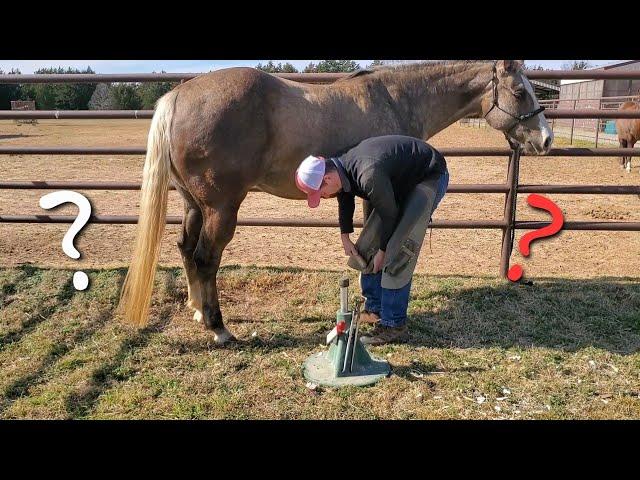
point(557, 220)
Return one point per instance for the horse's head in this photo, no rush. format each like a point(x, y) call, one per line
point(511, 106)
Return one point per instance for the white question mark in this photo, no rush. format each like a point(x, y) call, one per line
point(80, 279)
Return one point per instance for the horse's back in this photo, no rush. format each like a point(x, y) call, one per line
point(223, 88)
point(213, 111)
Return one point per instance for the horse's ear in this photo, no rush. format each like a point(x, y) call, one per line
point(507, 67)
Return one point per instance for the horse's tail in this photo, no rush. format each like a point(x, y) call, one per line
point(138, 284)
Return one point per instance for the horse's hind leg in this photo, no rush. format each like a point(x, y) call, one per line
point(623, 144)
point(187, 243)
point(631, 144)
point(218, 227)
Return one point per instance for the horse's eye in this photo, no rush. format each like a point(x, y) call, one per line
point(518, 92)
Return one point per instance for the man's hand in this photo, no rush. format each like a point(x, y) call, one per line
point(378, 261)
point(349, 247)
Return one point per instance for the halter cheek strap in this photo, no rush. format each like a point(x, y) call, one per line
point(518, 118)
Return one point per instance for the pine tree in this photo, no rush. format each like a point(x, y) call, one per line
point(271, 67)
point(125, 96)
point(332, 66)
point(9, 91)
point(62, 96)
point(150, 92)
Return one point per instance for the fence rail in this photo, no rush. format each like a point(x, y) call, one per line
point(449, 152)
point(296, 77)
point(288, 222)
point(508, 224)
point(146, 114)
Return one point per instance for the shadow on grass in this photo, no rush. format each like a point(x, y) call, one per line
point(554, 313)
point(81, 402)
point(11, 288)
point(451, 312)
point(57, 351)
point(21, 386)
point(41, 314)
point(275, 342)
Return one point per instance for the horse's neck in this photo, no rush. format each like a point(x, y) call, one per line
point(431, 99)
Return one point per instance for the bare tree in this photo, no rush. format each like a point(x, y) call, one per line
point(102, 98)
point(577, 65)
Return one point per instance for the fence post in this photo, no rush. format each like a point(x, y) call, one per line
point(509, 212)
point(573, 122)
point(598, 122)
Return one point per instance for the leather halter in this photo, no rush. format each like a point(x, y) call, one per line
point(518, 118)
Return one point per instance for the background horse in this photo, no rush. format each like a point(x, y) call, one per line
point(221, 134)
point(628, 131)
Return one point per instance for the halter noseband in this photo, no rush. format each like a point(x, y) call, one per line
point(517, 118)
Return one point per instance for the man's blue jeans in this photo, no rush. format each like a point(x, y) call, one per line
point(391, 304)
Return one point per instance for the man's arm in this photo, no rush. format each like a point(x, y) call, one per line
point(346, 207)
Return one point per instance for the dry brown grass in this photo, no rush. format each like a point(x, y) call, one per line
point(464, 252)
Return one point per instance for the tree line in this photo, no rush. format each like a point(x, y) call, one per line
point(323, 66)
point(123, 96)
point(83, 96)
point(143, 96)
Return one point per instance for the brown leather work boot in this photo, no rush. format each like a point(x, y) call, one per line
point(381, 335)
point(369, 317)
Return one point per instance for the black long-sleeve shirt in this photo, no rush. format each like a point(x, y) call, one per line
point(384, 170)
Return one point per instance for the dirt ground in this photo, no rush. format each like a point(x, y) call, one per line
point(452, 252)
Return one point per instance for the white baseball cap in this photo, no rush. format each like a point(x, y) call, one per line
point(309, 178)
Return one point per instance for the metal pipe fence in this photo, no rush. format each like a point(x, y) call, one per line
point(508, 224)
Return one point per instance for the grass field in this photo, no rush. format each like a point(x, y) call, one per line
point(479, 348)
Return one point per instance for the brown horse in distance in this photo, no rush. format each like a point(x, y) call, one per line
point(628, 131)
point(221, 134)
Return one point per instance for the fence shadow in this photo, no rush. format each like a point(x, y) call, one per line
point(20, 387)
point(82, 401)
point(18, 135)
point(554, 313)
point(40, 315)
point(565, 314)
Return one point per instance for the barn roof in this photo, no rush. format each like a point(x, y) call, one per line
point(544, 87)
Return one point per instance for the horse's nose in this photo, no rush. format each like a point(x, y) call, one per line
point(547, 139)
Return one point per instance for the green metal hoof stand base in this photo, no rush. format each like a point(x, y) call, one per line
point(347, 361)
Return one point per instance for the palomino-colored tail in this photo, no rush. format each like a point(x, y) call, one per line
point(138, 285)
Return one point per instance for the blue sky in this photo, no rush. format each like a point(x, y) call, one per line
point(188, 66)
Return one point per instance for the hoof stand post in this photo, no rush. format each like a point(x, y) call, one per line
point(347, 361)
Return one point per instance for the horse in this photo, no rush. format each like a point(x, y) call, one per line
point(628, 132)
point(222, 134)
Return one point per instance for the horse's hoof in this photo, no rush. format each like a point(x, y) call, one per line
point(223, 336)
point(197, 316)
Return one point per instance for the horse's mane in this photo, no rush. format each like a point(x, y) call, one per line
point(436, 68)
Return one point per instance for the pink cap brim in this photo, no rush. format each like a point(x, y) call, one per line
point(313, 199)
point(313, 196)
